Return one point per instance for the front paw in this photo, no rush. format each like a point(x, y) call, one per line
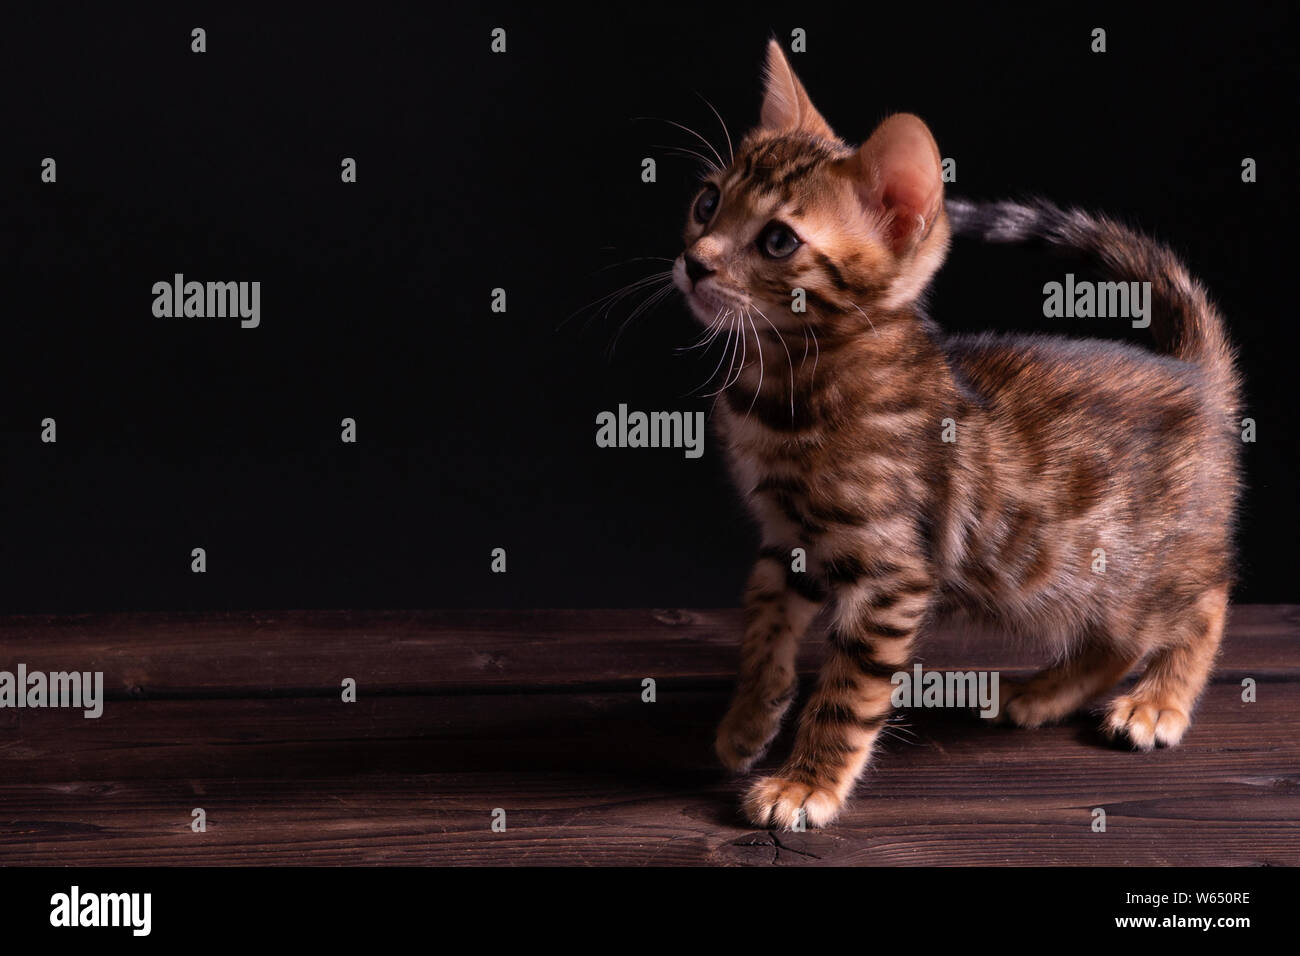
point(743, 738)
point(749, 729)
point(776, 801)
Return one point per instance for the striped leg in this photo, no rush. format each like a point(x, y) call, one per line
point(1058, 691)
point(779, 606)
point(1158, 709)
point(870, 640)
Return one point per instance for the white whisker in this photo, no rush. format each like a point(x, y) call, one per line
point(744, 356)
point(816, 355)
point(735, 338)
point(723, 123)
point(726, 347)
point(709, 164)
point(656, 296)
point(718, 393)
point(780, 338)
point(615, 265)
point(612, 298)
point(758, 344)
point(865, 316)
point(700, 138)
point(705, 337)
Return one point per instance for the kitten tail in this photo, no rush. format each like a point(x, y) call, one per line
point(1185, 322)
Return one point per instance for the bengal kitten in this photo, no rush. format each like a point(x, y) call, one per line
point(833, 429)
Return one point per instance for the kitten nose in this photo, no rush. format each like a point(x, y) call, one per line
point(696, 269)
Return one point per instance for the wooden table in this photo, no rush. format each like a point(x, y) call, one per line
point(541, 714)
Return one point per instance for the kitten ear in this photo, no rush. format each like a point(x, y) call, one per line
point(786, 106)
point(898, 172)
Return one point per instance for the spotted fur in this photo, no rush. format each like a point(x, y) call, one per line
point(834, 421)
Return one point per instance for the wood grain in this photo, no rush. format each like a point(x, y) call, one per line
point(540, 714)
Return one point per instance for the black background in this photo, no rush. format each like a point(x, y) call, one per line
point(522, 171)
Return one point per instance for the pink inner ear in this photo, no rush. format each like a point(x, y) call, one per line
point(910, 198)
point(901, 166)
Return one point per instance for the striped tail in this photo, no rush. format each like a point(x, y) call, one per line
point(1184, 321)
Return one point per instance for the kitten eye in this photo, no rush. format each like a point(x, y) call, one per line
point(707, 204)
point(778, 241)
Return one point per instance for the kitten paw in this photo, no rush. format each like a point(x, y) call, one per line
point(741, 742)
point(748, 730)
point(1145, 723)
point(1020, 706)
point(774, 801)
point(1008, 690)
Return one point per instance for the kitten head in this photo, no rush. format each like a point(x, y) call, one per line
point(860, 230)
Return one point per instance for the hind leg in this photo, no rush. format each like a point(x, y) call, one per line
point(1060, 690)
point(1157, 711)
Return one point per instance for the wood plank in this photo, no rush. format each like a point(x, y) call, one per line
point(541, 713)
point(605, 778)
point(300, 653)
